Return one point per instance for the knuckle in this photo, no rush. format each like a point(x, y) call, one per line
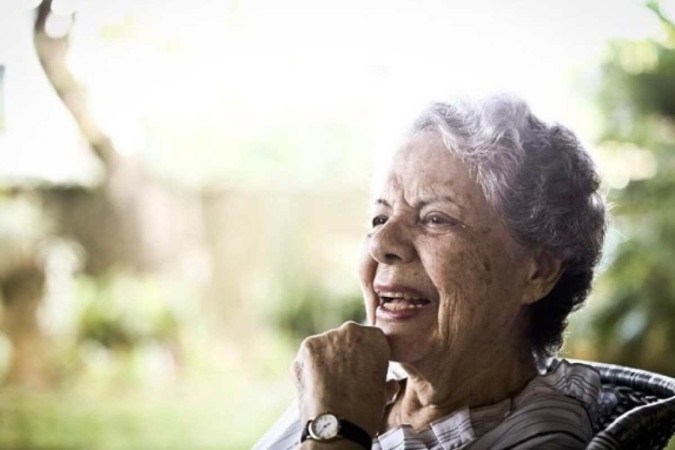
point(376, 332)
point(378, 337)
point(312, 345)
point(307, 344)
point(350, 326)
point(296, 365)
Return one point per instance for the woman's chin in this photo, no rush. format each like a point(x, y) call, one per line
point(408, 336)
point(403, 351)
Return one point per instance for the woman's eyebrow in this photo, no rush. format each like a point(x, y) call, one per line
point(423, 202)
point(383, 202)
point(440, 199)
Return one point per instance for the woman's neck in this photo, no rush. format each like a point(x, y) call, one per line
point(436, 390)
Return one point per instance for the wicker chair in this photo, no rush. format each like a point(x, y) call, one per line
point(638, 409)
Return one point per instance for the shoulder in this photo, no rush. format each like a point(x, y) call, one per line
point(555, 410)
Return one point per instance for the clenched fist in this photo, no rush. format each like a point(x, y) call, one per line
point(344, 371)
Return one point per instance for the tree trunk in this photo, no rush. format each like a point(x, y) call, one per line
point(22, 291)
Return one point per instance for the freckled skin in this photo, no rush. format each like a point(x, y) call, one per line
point(472, 270)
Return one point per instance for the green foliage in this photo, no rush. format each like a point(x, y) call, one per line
point(635, 325)
point(217, 414)
point(120, 312)
point(307, 308)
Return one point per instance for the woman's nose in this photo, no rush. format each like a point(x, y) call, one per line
point(391, 243)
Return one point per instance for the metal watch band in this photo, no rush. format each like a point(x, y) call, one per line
point(348, 430)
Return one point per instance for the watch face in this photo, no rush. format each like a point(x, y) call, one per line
point(325, 426)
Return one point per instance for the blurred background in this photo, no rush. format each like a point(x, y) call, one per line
point(183, 188)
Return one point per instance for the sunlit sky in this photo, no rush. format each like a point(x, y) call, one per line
point(202, 89)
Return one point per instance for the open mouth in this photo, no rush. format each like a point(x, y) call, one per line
point(392, 301)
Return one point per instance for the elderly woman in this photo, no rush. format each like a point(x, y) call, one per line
point(484, 234)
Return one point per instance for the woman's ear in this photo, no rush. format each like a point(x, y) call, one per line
point(543, 272)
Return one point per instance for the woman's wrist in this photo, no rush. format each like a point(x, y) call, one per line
point(369, 424)
point(343, 372)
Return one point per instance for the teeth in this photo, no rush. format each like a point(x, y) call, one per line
point(397, 305)
point(397, 295)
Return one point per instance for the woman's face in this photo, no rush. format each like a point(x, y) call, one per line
point(441, 276)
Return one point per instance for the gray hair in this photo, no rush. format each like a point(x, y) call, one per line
point(545, 187)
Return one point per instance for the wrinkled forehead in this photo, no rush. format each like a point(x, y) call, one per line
point(423, 172)
point(412, 154)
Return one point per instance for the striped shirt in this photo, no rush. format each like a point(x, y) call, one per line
point(556, 410)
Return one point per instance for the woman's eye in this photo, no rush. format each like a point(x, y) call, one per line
point(437, 220)
point(379, 220)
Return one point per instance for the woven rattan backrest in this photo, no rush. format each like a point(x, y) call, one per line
point(641, 414)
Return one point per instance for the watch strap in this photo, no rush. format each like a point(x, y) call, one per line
point(355, 433)
point(305, 432)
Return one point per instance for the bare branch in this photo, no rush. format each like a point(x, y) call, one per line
point(52, 54)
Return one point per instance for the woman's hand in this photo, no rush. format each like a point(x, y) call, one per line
point(344, 371)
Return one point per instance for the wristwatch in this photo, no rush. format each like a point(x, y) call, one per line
point(327, 427)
